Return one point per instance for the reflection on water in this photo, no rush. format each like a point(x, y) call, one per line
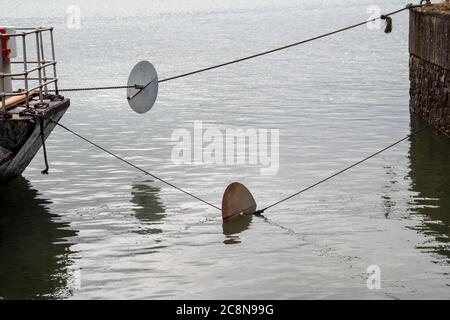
point(388, 202)
point(35, 255)
point(430, 174)
point(233, 227)
point(149, 208)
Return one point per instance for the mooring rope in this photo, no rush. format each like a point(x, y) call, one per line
point(343, 170)
point(133, 165)
point(44, 149)
point(93, 88)
point(381, 17)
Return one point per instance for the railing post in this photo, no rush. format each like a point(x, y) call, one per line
point(25, 69)
point(2, 93)
point(39, 67)
point(54, 61)
point(44, 72)
point(2, 77)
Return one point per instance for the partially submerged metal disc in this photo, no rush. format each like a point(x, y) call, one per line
point(143, 75)
point(237, 200)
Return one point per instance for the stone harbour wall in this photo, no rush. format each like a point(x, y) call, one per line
point(429, 65)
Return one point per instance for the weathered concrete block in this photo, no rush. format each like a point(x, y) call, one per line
point(429, 48)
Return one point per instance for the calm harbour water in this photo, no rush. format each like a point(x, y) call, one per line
point(95, 228)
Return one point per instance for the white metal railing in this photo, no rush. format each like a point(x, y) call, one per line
point(35, 76)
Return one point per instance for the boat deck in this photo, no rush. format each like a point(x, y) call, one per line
point(20, 133)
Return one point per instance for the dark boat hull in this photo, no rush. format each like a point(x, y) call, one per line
point(20, 139)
